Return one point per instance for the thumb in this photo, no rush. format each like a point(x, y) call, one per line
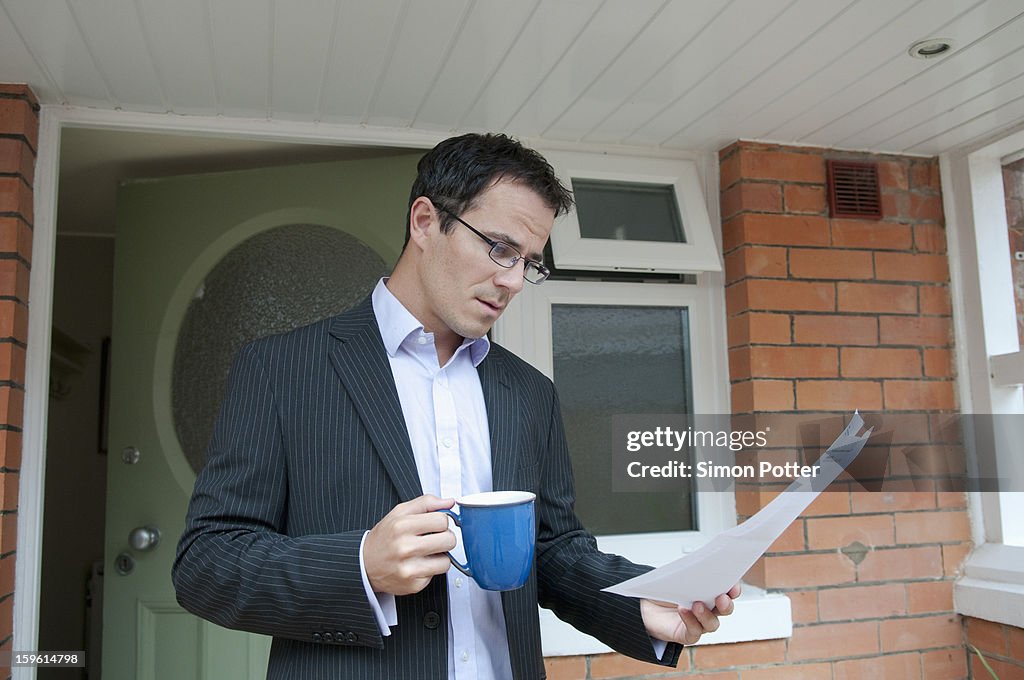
point(425, 503)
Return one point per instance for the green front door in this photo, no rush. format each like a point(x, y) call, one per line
point(175, 238)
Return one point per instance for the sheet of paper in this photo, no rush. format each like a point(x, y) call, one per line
point(717, 566)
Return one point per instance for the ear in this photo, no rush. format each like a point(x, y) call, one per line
point(423, 221)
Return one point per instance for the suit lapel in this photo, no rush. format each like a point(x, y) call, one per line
point(362, 364)
point(503, 415)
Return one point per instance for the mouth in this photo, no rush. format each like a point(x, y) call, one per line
point(495, 308)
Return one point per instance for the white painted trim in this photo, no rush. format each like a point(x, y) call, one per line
point(28, 557)
point(1007, 370)
point(53, 119)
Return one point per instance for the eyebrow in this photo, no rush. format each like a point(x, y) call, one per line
point(502, 236)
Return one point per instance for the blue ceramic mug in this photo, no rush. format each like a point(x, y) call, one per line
point(498, 536)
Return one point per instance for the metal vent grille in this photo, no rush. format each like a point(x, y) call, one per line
point(853, 190)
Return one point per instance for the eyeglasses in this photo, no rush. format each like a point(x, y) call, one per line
point(505, 255)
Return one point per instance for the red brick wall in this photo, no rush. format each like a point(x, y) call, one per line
point(832, 315)
point(19, 127)
point(1001, 646)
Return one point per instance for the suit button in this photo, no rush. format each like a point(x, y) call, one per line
point(339, 636)
point(352, 637)
point(328, 637)
point(317, 637)
point(431, 620)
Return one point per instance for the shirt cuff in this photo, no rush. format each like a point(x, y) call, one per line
point(659, 647)
point(383, 604)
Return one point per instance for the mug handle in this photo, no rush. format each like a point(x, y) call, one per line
point(464, 568)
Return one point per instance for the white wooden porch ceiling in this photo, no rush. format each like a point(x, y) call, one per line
point(674, 74)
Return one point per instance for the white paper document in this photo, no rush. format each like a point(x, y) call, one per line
point(713, 569)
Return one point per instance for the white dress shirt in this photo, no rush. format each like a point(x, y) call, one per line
point(447, 422)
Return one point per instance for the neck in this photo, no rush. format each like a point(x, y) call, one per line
point(404, 286)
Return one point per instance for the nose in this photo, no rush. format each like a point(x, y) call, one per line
point(511, 278)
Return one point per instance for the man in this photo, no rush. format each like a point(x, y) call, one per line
point(315, 517)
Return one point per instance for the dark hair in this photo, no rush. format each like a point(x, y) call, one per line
point(455, 172)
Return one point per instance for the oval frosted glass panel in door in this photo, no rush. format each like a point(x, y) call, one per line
point(620, 360)
point(278, 280)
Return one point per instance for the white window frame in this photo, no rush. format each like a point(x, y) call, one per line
point(525, 329)
point(572, 251)
point(984, 318)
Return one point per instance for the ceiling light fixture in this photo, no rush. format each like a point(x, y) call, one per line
point(931, 48)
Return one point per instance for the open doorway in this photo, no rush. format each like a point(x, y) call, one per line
point(93, 164)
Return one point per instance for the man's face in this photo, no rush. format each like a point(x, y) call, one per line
point(463, 290)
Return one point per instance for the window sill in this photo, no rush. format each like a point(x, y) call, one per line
point(759, 615)
point(992, 587)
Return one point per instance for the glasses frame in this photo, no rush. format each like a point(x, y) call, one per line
point(542, 272)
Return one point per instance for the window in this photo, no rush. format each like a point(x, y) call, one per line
point(633, 214)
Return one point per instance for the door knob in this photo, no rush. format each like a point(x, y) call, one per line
point(144, 538)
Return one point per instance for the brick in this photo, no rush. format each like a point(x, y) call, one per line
point(1003, 670)
point(751, 197)
point(891, 501)
point(13, 321)
point(929, 596)
point(728, 168)
point(14, 278)
point(566, 667)
point(7, 576)
point(804, 606)
point(12, 406)
point(758, 328)
point(12, 363)
point(896, 206)
point(926, 208)
point(18, 118)
point(929, 238)
point(953, 557)
point(945, 664)
point(817, 263)
point(877, 297)
point(1015, 639)
point(16, 197)
point(878, 362)
point(9, 482)
point(762, 395)
point(822, 641)
point(619, 666)
point(925, 175)
point(938, 363)
point(739, 654)
point(861, 602)
point(893, 175)
point(876, 235)
point(6, 623)
point(784, 166)
point(918, 395)
point(804, 571)
point(804, 198)
point(775, 230)
point(10, 449)
point(951, 500)
point(901, 635)
point(19, 90)
point(794, 362)
point(791, 540)
point(8, 532)
point(774, 295)
point(755, 261)
point(836, 532)
point(16, 158)
point(924, 331)
point(835, 330)
point(892, 564)
point(15, 237)
point(831, 502)
point(934, 300)
point(800, 671)
point(932, 527)
point(838, 395)
point(901, 666)
point(912, 267)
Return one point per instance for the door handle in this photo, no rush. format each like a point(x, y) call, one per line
point(144, 538)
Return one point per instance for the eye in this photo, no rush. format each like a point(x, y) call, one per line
point(504, 252)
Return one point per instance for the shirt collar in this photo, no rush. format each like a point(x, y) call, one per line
point(396, 324)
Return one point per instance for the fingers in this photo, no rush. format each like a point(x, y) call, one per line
point(693, 627)
point(422, 504)
point(735, 591)
point(707, 618)
point(724, 605)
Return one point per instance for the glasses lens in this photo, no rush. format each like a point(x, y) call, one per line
point(504, 254)
point(535, 273)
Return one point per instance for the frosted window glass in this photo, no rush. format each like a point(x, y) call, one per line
point(617, 359)
point(628, 211)
point(278, 280)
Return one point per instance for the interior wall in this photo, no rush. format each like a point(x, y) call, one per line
point(75, 467)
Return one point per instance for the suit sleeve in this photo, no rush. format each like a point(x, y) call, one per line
point(235, 565)
point(571, 571)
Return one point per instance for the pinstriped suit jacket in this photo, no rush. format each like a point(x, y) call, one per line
point(310, 450)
